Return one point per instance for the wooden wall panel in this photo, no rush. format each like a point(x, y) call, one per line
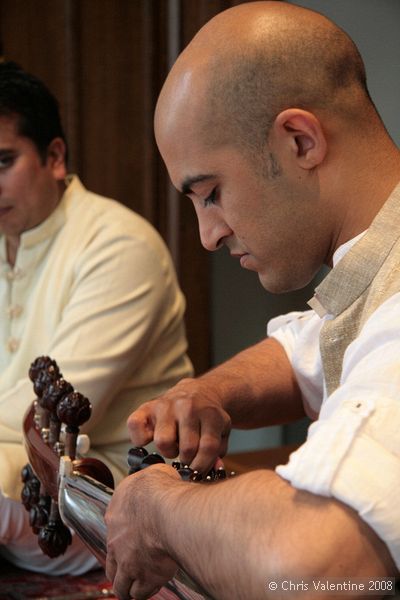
point(33, 34)
point(106, 61)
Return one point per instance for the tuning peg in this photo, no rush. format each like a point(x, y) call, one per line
point(135, 457)
point(139, 458)
point(30, 492)
point(43, 373)
point(52, 395)
point(40, 364)
point(73, 410)
point(26, 473)
point(152, 459)
point(39, 514)
point(220, 473)
point(54, 538)
point(210, 476)
point(196, 476)
point(186, 473)
point(54, 392)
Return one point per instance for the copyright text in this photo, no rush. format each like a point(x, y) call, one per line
point(334, 586)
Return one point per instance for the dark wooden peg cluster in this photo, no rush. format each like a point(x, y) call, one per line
point(139, 458)
point(31, 490)
point(52, 395)
point(44, 518)
point(43, 371)
point(56, 403)
point(188, 474)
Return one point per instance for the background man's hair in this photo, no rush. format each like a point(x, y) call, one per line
point(25, 98)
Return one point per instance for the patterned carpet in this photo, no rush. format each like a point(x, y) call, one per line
point(16, 584)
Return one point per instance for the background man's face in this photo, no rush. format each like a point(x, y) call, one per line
point(28, 188)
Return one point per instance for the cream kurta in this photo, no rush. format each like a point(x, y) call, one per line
point(94, 288)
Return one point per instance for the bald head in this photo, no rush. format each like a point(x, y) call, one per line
point(255, 60)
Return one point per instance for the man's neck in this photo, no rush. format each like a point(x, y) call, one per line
point(364, 194)
point(13, 242)
point(12, 245)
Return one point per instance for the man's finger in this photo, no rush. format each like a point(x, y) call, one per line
point(166, 438)
point(122, 585)
point(141, 427)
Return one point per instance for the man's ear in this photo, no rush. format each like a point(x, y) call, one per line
point(303, 132)
point(56, 158)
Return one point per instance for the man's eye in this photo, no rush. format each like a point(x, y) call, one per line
point(6, 161)
point(211, 198)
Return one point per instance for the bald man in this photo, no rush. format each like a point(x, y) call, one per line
point(266, 124)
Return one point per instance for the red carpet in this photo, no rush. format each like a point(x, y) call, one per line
point(16, 584)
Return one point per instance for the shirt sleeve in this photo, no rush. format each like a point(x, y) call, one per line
point(298, 333)
point(352, 452)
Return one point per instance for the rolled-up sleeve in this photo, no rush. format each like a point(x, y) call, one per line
point(352, 452)
point(298, 334)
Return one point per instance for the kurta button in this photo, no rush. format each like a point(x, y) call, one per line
point(14, 311)
point(13, 345)
point(14, 274)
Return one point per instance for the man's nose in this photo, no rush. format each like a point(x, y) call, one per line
point(213, 231)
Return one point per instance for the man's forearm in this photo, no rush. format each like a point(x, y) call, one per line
point(213, 532)
point(236, 537)
point(257, 387)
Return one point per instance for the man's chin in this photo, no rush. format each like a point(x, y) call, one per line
point(278, 285)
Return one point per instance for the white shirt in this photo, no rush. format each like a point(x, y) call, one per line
point(352, 451)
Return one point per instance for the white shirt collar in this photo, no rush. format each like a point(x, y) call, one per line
point(344, 248)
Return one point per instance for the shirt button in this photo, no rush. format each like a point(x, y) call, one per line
point(14, 311)
point(13, 274)
point(13, 345)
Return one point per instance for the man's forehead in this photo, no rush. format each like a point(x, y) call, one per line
point(9, 131)
point(9, 123)
point(182, 99)
point(183, 150)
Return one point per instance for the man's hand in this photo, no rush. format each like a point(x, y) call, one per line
point(188, 420)
point(137, 564)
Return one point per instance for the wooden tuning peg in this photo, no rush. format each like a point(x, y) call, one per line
point(139, 458)
point(53, 393)
point(73, 410)
point(39, 364)
point(54, 538)
point(135, 457)
point(31, 490)
point(39, 514)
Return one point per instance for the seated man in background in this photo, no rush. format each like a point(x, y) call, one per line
point(84, 280)
point(266, 124)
